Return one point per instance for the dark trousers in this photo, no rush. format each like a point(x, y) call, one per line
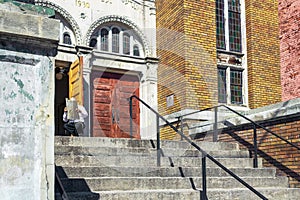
point(74, 128)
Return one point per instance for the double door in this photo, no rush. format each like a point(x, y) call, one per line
point(110, 102)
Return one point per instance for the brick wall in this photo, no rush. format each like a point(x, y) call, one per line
point(186, 47)
point(273, 151)
point(262, 31)
point(289, 16)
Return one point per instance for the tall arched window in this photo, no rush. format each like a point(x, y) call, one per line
point(136, 50)
point(67, 38)
point(104, 40)
point(115, 40)
point(126, 44)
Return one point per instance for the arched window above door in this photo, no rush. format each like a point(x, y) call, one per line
point(117, 39)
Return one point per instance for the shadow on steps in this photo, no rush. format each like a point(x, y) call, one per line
point(76, 188)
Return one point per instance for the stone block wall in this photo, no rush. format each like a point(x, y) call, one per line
point(289, 16)
point(275, 152)
point(28, 45)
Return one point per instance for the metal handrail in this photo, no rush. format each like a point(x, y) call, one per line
point(204, 153)
point(255, 126)
point(61, 188)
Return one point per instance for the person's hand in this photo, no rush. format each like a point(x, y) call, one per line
point(65, 109)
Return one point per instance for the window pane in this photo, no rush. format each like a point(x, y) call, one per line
point(220, 23)
point(222, 85)
point(67, 39)
point(136, 51)
point(115, 40)
point(234, 15)
point(104, 40)
point(126, 44)
point(236, 86)
point(93, 42)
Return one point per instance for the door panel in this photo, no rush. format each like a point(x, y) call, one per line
point(76, 80)
point(111, 105)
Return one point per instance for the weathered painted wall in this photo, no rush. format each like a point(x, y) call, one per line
point(289, 16)
point(26, 105)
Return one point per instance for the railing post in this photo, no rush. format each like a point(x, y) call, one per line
point(158, 141)
point(255, 162)
point(215, 136)
point(204, 186)
point(130, 113)
point(181, 126)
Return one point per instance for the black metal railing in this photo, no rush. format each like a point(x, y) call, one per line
point(254, 124)
point(204, 153)
point(60, 186)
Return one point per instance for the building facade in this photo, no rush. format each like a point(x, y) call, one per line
point(106, 53)
point(217, 52)
point(289, 48)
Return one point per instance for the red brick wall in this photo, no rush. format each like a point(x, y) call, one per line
point(273, 151)
point(289, 15)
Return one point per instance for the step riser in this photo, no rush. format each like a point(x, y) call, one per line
point(108, 184)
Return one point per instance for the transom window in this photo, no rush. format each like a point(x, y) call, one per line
point(116, 39)
point(104, 39)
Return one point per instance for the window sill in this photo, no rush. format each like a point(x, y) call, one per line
point(238, 54)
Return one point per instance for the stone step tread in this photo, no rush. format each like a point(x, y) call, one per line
point(161, 172)
point(150, 183)
point(78, 160)
point(77, 150)
point(124, 142)
point(216, 194)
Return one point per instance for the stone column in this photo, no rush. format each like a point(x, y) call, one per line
point(149, 95)
point(27, 53)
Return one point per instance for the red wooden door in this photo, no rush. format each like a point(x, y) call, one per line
point(111, 106)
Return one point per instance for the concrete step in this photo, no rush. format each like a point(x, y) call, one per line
point(103, 160)
point(184, 194)
point(77, 172)
point(89, 151)
point(123, 142)
point(155, 183)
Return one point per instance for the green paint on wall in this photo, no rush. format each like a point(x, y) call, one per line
point(19, 82)
point(26, 94)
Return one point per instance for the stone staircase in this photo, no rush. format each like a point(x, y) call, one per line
point(124, 169)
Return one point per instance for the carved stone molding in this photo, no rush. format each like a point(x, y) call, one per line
point(65, 14)
point(115, 18)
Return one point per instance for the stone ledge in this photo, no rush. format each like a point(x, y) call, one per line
point(16, 24)
point(267, 113)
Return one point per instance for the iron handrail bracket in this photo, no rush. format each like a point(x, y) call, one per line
point(204, 153)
